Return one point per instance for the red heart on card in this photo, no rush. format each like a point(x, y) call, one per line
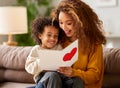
point(68, 56)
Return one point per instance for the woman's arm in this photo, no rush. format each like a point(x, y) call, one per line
point(89, 67)
point(94, 68)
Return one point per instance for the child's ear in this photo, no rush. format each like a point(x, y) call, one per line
point(39, 35)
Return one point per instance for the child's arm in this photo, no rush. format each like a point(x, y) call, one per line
point(32, 64)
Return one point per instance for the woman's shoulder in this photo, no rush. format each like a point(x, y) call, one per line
point(65, 43)
point(97, 48)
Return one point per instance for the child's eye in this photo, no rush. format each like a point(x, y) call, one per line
point(69, 23)
point(56, 36)
point(49, 35)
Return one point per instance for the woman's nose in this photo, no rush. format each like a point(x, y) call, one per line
point(64, 26)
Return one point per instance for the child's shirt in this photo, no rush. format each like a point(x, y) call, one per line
point(32, 64)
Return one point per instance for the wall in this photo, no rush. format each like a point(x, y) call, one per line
point(13, 2)
point(7, 2)
point(110, 15)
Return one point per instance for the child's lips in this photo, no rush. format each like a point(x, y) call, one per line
point(52, 42)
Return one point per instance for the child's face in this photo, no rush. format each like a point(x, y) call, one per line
point(49, 37)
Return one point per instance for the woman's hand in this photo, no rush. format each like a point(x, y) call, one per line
point(66, 71)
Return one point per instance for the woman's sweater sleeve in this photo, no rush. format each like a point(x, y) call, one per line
point(94, 68)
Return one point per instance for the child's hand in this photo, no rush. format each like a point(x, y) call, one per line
point(66, 71)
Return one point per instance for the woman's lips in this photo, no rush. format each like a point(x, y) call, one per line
point(67, 32)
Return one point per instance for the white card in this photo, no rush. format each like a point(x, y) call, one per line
point(53, 59)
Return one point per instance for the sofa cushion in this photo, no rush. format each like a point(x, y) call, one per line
point(111, 77)
point(111, 81)
point(13, 57)
point(12, 64)
point(1, 75)
point(112, 60)
point(15, 76)
point(18, 76)
point(15, 85)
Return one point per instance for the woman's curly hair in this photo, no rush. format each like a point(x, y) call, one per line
point(90, 30)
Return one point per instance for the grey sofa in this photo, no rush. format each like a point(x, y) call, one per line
point(13, 74)
point(112, 68)
point(12, 67)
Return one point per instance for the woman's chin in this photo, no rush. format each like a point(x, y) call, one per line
point(68, 35)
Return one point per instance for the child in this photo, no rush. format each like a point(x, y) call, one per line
point(46, 34)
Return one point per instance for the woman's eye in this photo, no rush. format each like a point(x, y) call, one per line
point(60, 22)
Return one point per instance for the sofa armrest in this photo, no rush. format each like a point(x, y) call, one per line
point(13, 57)
point(112, 60)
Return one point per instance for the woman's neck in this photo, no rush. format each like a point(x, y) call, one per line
point(71, 39)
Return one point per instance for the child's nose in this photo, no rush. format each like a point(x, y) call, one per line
point(53, 38)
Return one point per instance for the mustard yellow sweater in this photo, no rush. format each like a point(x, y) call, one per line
point(90, 67)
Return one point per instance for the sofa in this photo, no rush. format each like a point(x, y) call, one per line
point(111, 68)
point(13, 74)
point(12, 67)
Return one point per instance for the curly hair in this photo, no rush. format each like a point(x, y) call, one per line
point(38, 26)
point(90, 30)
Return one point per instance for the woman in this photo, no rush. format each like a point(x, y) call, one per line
point(79, 21)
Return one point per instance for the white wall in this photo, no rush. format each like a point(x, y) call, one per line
point(110, 15)
point(7, 2)
point(13, 2)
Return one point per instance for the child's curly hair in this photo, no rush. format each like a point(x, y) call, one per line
point(38, 26)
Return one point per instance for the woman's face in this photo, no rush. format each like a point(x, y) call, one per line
point(67, 23)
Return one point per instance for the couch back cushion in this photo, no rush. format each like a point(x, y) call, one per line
point(12, 64)
point(13, 57)
point(112, 60)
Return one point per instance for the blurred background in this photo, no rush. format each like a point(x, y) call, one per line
point(107, 10)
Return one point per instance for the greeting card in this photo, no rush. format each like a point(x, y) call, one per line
point(53, 59)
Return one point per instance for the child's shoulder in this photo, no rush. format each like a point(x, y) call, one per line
point(58, 47)
point(35, 47)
